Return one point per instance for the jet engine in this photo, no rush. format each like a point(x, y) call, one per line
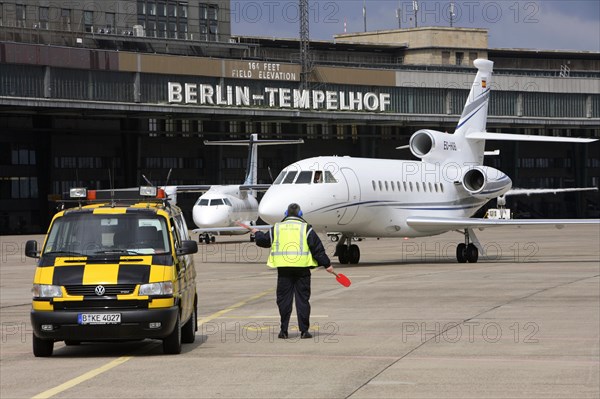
point(433, 146)
point(484, 182)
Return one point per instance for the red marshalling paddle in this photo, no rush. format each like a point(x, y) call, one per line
point(340, 278)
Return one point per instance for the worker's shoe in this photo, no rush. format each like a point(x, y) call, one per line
point(305, 335)
point(283, 335)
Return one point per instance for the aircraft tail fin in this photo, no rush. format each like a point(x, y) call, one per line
point(252, 163)
point(475, 112)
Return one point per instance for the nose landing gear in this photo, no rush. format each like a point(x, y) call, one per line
point(346, 251)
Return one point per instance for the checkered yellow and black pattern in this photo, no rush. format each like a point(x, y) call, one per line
point(78, 277)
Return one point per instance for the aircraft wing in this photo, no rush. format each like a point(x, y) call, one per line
point(424, 223)
point(530, 191)
point(255, 187)
point(525, 137)
point(192, 188)
point(230, 229)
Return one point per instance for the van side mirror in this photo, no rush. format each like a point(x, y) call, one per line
point(31, 249)
point(188, 247)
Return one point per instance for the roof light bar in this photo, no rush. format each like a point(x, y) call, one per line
point(79, 192)
point(147, 191)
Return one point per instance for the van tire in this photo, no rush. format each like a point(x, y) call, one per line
point(172, 342)
point(42, 347)
point(188, 333)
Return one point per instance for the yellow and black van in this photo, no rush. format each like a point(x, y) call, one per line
point(117, 266)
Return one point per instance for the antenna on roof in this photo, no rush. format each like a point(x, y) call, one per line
point(399, 15)
point(168, 177)
point(416, 9)
point(452, 14)
point(112, 188)
point(365, 14)
point(147, 181)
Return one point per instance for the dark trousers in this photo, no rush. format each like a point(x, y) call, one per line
point(293, 282)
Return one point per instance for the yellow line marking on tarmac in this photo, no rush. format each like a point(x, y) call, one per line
point(117, 362)
point(78, 380)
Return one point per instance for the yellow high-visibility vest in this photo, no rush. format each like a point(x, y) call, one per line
point(290, 246)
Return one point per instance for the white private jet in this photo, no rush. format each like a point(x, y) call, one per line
point(218, 210)
point(360, 197)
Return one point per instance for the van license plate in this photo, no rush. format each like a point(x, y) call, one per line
point(99, 318)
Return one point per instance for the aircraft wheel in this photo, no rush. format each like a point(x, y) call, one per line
point(334, 238)
point(472, 253)
point(461, 253)
point(207, 239)
point(212, 239)
point(342, 254)
point(354, 254)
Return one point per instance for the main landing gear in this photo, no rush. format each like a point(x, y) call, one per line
point(346, 251)
point(467, 251)
point(206, 237)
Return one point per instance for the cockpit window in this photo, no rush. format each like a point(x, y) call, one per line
point(318, 177)
point(227, 202)
point(215, 202)
point(280, 177)
point(289, 178)
point(304, 177)
point(329, 177)
point(202, 202)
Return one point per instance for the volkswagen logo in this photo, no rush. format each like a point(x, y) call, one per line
point(100, 290)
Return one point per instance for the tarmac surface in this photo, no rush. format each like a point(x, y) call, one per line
point(523, 322)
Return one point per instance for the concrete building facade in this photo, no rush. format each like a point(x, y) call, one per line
point(114, 107)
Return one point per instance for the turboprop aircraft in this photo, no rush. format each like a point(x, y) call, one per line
point(361, 197)
point(217, 211)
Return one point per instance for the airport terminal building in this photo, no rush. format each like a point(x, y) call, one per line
point(119, 89)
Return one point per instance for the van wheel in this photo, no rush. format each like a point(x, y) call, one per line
point(188, 332)
point(172, 343)
point(42, 347)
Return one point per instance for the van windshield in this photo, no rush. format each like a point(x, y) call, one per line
point(88, 234)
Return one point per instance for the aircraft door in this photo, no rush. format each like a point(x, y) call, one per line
point(354, 196)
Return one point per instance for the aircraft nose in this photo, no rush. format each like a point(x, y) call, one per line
point(271, 211)
point(210, 216)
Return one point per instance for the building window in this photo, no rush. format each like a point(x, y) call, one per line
point(208, 18)
point(161, 10)
point(203, 32)
point(20, 15)
point(22, 156)
point(44, 16)
point(183, 10)
point(110, 22)
point(161, 29)
point(88, 20)
point(171, 10)
point(459, 58)
point(163, 19)
point(18, 187)
point(65, 19)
